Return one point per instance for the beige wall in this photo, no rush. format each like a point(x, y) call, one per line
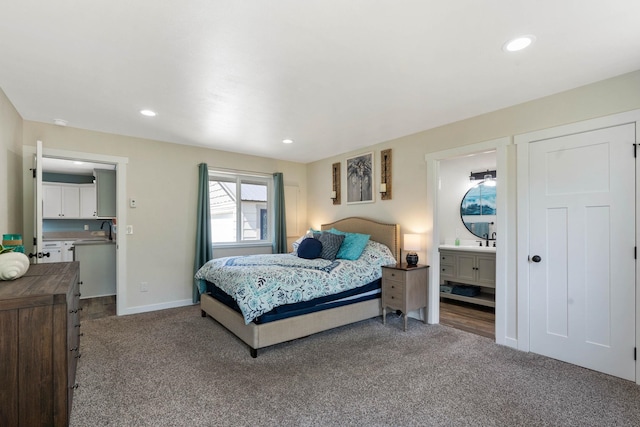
point(409, 168)
point(162, 177)
point(10, 167)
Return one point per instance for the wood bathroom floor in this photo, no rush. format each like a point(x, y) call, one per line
point(472, 318)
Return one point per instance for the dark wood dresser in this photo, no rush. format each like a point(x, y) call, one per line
point(39, 345)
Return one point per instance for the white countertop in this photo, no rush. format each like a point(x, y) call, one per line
point(486, 249)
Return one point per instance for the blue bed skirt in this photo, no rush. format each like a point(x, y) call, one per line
point(362, 293)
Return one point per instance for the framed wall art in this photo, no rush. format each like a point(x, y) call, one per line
point(360, 179)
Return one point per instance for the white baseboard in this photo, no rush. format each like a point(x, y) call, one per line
point(156, 307)
point(511, 342)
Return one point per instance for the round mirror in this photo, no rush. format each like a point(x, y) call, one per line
point(478, 210)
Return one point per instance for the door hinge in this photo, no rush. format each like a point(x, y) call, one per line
point(34, 172)
point(635, 252)
point(35, 241)
point(635, 353)
point(635, 149)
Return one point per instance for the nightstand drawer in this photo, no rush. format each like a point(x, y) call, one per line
point(393, 296)
point(395, 275)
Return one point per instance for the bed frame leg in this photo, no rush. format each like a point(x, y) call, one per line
point(203, 313)
point(254, 352)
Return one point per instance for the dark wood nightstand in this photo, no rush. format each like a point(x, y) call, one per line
point(404, 288)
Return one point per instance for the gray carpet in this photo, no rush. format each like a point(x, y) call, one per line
point(175, 368)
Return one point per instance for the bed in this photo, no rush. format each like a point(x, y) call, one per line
point(260, 335)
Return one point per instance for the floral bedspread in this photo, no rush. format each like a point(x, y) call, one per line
point(260, 283)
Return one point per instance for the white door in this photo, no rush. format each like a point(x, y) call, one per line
point(37, 250)
point(582, 225)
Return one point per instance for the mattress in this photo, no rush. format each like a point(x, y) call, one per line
point(366, 292)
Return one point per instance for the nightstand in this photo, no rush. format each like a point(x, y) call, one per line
point(404, 288)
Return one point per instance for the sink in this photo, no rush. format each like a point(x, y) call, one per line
point(471, 248)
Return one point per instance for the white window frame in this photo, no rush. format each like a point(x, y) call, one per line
point(246, 177)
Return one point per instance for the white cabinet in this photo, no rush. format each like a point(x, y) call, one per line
point(52, 252)
point(97, 268)
point(67, 250)
point(68, 201)
point(88, 201)
point(60, 201)
point(469, 268)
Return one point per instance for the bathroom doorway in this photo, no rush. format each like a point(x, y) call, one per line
point(465, 302)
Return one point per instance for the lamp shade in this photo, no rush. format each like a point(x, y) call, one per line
point(412, 242)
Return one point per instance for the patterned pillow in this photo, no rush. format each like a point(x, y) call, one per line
point(353, 245)
point(330, 244)
point(310, 248)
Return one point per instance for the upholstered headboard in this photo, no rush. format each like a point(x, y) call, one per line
point(388, 234)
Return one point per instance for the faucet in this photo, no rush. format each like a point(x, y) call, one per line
point(109, 225)
point(486, 236)
point(493, 237)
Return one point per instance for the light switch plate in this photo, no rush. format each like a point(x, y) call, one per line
point(129, 229)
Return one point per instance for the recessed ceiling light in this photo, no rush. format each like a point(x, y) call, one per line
point(76, 162)
point(287, 141)
point(518, 43)
point(148, 113)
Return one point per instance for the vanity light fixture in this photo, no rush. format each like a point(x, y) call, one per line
point(287, 141)
point(148, 113)
point(483, 175)
point(411, 245)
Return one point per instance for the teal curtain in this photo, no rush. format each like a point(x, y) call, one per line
point(280, 238)
point(204, 249)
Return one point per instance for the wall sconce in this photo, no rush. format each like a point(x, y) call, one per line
point(385, 174)
point(411, 245)
point(335, 183)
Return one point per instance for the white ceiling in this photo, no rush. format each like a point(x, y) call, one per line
point(333, 75)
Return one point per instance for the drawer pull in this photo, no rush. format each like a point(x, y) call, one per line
point(76, 326)
point(78, 294)
point(81, 334)
point(73, 311)
point(74, 349)
point(74, 386)
point(393, 287)
point(78, 356)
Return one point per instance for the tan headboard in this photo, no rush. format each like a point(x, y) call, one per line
point(388, 234)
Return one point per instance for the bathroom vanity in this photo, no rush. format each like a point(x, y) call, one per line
point(469, 265)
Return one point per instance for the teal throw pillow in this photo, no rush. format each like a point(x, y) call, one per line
point(353, 245)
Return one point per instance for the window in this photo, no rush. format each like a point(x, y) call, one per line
point(240, 207)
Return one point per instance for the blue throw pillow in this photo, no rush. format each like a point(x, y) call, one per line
point(330, 244)
point(353, 245)
point(310, 248)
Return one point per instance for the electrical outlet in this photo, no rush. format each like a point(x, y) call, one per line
point(86, 227)
point(144, 286)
